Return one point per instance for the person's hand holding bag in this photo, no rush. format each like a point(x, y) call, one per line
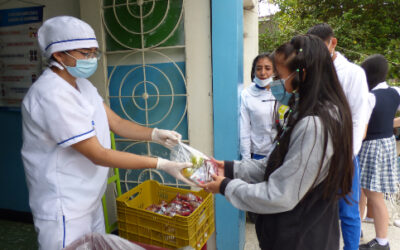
point(167, 138)
point(220, 166)
point(213, 186)
point(174, 169)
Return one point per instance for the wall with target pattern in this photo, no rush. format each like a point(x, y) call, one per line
point(146, 75)
point(157, 101)
point(137, 24)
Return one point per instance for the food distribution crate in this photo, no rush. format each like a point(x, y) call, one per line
point(135, 223)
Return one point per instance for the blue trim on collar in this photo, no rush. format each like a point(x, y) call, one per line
point(72, 40)
point(75, 137)
point(259, 87)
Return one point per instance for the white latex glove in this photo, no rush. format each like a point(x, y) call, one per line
point(167, 138)
point(174, 168)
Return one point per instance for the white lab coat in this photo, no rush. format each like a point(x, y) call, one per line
point(56, 116)
point(257, 128)
point(354, 83)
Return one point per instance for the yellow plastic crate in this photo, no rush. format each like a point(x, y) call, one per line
point(137, 224)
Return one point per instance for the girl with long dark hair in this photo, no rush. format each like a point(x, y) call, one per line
point(296, 190)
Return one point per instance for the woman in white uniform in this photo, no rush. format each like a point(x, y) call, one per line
point(66, 144)
point(257, 123)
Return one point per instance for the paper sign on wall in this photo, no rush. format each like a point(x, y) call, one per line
point(20, 59)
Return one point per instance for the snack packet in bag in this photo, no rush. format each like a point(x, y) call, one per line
point(203, 166)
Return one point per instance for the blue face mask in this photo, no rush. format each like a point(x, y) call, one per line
point(84, 68)
point(262, 83)
point(279, 92)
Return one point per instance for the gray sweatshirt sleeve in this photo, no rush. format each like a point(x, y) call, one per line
point(250, 170)
point(288, 184)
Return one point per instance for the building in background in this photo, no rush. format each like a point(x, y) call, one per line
point(173, 64)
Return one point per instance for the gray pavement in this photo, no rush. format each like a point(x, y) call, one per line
point(393, 235)
point(393, 231)
point(368, 229)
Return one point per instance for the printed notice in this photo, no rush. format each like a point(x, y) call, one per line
point(20, 59)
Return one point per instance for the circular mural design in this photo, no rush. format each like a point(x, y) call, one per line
point(146, 94)
point(141, 24)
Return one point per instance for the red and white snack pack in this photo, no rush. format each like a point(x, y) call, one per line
point(182, 204)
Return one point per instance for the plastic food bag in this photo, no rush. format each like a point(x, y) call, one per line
point(203, 166)
point(182, 204)
point(95, 241)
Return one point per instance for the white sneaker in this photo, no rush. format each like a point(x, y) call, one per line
point(396, 223)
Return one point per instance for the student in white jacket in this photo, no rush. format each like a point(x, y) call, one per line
point(257, 124)
point(66, 141)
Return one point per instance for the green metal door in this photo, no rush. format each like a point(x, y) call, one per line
point(146, 74)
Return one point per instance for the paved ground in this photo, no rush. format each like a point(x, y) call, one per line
point(393, 235)
point(368, 229)
point(17, 235)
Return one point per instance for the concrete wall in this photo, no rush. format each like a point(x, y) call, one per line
point(250, 37)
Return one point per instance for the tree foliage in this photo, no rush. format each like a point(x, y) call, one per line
point(362, 27)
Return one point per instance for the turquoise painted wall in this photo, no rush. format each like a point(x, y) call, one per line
point(227, 59)
point(13, 190)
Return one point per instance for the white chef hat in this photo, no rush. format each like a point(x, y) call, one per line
point(64, 33)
